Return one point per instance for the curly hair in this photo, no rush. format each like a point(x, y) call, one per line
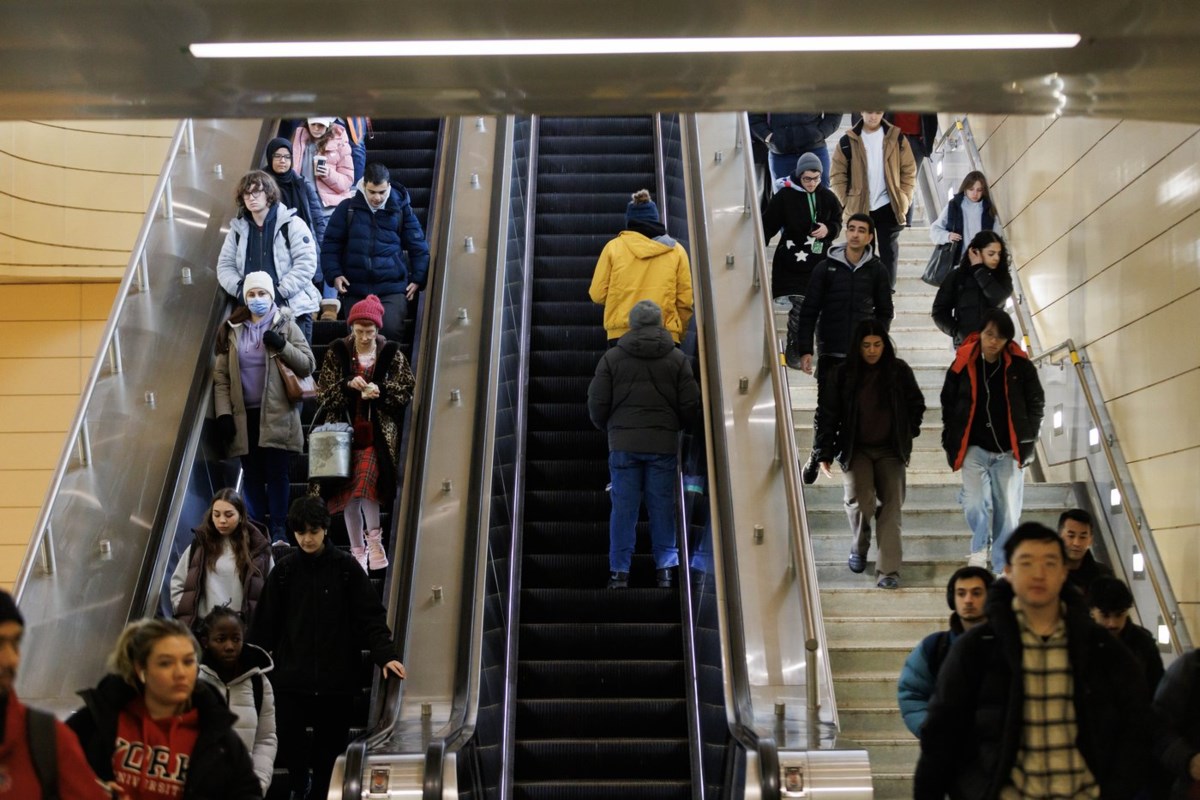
point(252, 181)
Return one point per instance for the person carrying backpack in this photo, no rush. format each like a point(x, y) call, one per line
point(40, 758)
point(966, 594)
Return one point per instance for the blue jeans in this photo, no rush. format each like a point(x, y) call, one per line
point(992, 491)
point(634, 475)
point(784, 164)
point(266, 484)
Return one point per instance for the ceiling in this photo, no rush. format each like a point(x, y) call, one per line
point(63, 59)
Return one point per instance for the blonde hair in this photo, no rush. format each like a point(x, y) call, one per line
point(135, 643)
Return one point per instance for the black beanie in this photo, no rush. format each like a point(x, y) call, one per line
point(8, 609)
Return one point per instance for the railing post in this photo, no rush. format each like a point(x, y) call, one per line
point(114, 353)
point(168, 201)
point(189, 137)
point(84, 445)
point(143, 275)
point(46, 554)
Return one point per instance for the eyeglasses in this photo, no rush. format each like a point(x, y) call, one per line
point(816, 179)
point(284, 156)
point(254, 193)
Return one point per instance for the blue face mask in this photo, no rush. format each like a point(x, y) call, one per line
point(259, 305)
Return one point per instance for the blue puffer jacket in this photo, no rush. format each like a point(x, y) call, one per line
point(368, 247)
point(919, 675)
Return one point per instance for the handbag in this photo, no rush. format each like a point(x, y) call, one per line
point(329, 450)
point(297, 388)
point(941, 263)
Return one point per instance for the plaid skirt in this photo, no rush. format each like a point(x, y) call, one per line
point(362, 484)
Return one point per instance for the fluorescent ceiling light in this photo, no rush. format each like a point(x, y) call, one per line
point(465, 48)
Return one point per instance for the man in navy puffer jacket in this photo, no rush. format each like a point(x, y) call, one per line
point(365, 244)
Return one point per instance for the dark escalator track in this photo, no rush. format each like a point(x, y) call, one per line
point(601, 705)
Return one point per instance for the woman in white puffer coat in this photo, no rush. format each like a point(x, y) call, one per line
point(239, 672)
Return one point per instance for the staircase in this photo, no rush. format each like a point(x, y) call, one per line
point(871, 631)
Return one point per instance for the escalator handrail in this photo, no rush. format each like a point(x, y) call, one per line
point(38, 539)
point(736, 682)
point(815, 644)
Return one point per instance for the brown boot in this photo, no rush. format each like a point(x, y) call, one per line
point(329, 309)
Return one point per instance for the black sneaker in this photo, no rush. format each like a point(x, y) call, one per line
point(665, 577)
point(618, 580)
point(811, 469)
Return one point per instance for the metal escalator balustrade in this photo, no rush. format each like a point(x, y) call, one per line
point(600, 688)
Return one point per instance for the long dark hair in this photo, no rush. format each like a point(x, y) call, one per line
point(886, 364)
point(208, 539)
point(982, 240)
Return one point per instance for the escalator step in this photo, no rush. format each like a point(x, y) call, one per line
point(618, 186)
point(651, 717)
point(599, 640)
point(559, 759)
point(570, 537)
point(571, 416)
point(582, 474)
point(581, 605)
point(553, 243)
point(634, 789)
point(565, 290)
point(630, 167)
point(546, 388)
point(556, 506)
point(602, 679)
point(596, 126)
point(570, 572)
point(564, 362)
point(591, 445)
point(548, 338)
point(581, 311)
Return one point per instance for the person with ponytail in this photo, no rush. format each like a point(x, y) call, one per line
point(225, 565)
point(152, 731)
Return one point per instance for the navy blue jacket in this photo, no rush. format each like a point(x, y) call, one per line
point(794, 133)
point(369, 249)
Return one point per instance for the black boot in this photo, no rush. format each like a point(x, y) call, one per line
point(618, 580)
point(811, 468)
point(665, 577)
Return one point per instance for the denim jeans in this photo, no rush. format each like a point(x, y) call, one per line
point(992, 491)
point(265, 481)
point(635, 475)
point(783, 164)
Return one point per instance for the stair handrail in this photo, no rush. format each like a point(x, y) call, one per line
point(41, 542)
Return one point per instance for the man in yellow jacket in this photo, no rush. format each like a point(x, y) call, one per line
point(643, 263)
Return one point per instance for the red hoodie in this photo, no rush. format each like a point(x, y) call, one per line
point(151, 758)
point(17, 777)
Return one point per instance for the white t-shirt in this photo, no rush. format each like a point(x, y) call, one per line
point(222, 586)
point(876, 183)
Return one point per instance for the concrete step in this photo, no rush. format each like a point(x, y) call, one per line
point(948, 547)
point(867, 600)
point(1038, 496)
point(893, 755)
point(924, 460)
point(881, 630)
point(929, 440)
point(872, 723)
point(864, 657)
point(922, 574)
point(864, 691)
point(891, 786)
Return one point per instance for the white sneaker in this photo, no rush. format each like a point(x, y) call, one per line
point(360, 555)
point(376, 556)
point(978, 559)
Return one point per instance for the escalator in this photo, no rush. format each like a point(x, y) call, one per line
point(601, 704)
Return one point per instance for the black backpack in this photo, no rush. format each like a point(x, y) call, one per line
point(41, 729)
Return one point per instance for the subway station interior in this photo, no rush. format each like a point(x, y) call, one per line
point(520, 130)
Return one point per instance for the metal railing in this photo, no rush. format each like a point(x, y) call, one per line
point(41, 549)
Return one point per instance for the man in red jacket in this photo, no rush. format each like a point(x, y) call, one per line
point(19, 770)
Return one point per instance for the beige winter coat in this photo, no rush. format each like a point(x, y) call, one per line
point(899, 173)
point(280, 426)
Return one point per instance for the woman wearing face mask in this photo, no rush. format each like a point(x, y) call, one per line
point(225, 565)
point(321, 149)
point(153, 732)
point(254, 414)
point(982, 281)
point(867, 417)
point(968, 212)
point(267, 236)
point(367, 379)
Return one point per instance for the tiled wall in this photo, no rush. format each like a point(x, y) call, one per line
point(1104, 223)
point(73, 196)
point(48, 337)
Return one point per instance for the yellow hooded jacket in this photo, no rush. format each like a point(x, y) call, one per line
point(632, 268)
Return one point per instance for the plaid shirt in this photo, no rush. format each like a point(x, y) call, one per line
point(1048, 763)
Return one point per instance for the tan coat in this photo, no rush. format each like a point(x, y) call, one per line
point(280, 418)
point(899, 172)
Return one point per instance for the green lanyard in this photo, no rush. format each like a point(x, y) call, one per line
point(818, 246)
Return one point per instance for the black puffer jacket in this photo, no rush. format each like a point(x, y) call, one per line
point(220, 768)
point(1026, 402)
point(836, 423)
point(962, 298)
point(794, 133)
point(975, 724)
point(1177, 703)
point(790, 210)
point(316, 616)
point(838, 298)
point(643, 393)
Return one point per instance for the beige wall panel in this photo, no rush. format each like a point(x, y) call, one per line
point(1179, 549)
point(42, 183)
point(1139, 416)
point(48, 302)
point(96, 300)
point(164, 128)
point(1008, 142)
point(11, 557)
point(29, 376)
point(982, 125)
point(1152, 276)
point(1166, 486)
point(24, 488)
point(29, 450)
point(1039, 167)
point(57, 263)
point(90, 334)
point(41, 413)
point(16, 524)
point(116, 151)
point(1115, 188)
point(1148, 351)
point(89, 230)
point(57, 339)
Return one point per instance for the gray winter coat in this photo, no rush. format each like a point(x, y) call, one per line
point(295, 260)
point(280, 418)
point(643, 393)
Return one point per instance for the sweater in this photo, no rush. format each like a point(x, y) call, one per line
point(633, 267)
point(255, 726)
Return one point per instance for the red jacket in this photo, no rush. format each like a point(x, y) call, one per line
point(17, 777)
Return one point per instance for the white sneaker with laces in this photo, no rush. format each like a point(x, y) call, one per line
point(978, 559)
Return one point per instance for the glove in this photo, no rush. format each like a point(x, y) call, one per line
point(274, 340)
point(226, 428)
